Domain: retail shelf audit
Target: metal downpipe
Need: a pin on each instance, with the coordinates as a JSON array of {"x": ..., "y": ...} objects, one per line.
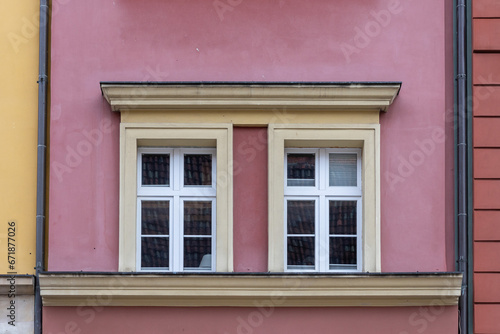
[
  {"x": 461, "y": 152},
  {"x": 41, "y": 159}
]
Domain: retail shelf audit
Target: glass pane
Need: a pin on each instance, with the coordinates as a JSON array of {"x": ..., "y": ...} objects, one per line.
[
  {"x": 342, "y": 253},
  {"x": 154, "y": 252},
  {"x": 197, "y": 218},
  {"x": 343, "y": 170},
  {"x": 155, "y": 217},
  {"x": 300, "y": 252},
  {"x": 197, "y": 169},
  {"x": 342, "y": 217},
  {"x": 300, "y": 170},
  {"x": 155, "y": 169},
  {"x": 197, "y": 252},
  {"x": 300, "y": 217}
]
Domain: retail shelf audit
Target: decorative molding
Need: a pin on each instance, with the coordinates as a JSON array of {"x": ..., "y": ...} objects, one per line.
[
  {"x": 131, "y": 136},
  {"x": 438, "y": 289},
  {"x": 365, "y": 136},
  {"x": 376, "y": 96},
  {"x": 24, "y": 285}
]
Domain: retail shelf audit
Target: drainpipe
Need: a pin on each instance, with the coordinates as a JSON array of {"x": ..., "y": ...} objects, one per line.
[
  {"x": 41, "y": 159},
  {"x": 461, "y": 162}
]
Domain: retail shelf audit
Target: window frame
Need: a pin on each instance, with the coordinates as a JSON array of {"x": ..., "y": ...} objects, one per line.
[
  {"x": 361, "y": 136},
  {"x": 322, "y": 193},
  {"x": 176, "y": 193},
  {"x": 159, "y": 135}
]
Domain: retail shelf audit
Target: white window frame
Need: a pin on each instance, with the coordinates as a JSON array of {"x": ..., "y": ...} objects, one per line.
[
  {"x": 366, "y": 138},
  {"x": 176, "y": 193},
  {"x": 322, "y": 193},
  {"x": 196, "y": 137}
]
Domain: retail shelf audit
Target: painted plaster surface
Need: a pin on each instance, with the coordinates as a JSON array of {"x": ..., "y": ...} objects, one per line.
[
  {"x": 250, "y": 204},
  {"x": 259, "y": 320},
  {"x": 285, "y": 40},
  {"x": 18, "y": 130}
]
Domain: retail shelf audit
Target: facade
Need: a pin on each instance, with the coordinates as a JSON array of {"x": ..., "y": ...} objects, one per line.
[
  {"x": 18, "y": 104},
  {"x": 260, "y": 167},
  {"x": 485, "y": 81}
]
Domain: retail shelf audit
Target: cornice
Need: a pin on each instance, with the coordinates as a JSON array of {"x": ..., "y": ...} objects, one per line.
[
  {"x": 19, "y": 285},
  {"x": 375, "y": 96},
  {"x": 251, "y": 290}
]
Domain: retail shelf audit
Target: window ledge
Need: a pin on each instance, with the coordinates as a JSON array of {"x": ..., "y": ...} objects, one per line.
[
  {"x": 376, "y": 96},
  {"x": 248, "y": 290}
]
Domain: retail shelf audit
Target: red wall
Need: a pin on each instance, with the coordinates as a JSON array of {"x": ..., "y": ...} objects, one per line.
[
  {"x": 264, "y": 320},
  {"x": 250, "y": 199},
  {"x": 486, "y": 141},
  {"x": 258, "y": 40},
  {"x": 285, "y": 40}
]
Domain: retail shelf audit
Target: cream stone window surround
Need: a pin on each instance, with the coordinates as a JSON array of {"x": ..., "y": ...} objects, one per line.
[
  {"x": 157, "y": 108},
  {"x": 135, "y": 135},
  {"x": 364, "y": 136}
]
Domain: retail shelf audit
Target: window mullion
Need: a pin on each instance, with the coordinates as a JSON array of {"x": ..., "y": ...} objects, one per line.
[
  {"x": 321, "y": 232},
  {"x": 359, "y": 234},
  {"x": 175, "y": 240},
  {"x": 320, "y": 170},
  {"x": 320, "y": 235},
  {"x": 177, "y": 210},
  {"x": 178, "y": 173}
]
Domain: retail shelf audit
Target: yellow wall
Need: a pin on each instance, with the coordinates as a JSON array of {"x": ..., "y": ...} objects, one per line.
[{"x": 19, "y": 22}]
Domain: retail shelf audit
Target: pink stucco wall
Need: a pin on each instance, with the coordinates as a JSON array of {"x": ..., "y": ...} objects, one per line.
[
  {"x": 264, "y": 320},
  {"x": 250, "y": 199},
  {"x": 282, "y": 40}
]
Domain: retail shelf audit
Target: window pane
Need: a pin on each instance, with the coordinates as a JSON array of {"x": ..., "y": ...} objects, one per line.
[
  {"x": 197, "y": 169},
  {"x": 155, "y": 217},
  {"x": 198, "y": 218},
  {"x": 300, "y": 217},
  {"x": 300, "y": 252},
  {"x": 300, "y": 170},
  {"x": 155, "y": 169},
  {"x": 343, "y": 170},
  {"x": 154, "y": 252},
  {"x": 342, "y": 253},
  {"x": 194, "y": 251},
  {"x": 342, "y": 217}
]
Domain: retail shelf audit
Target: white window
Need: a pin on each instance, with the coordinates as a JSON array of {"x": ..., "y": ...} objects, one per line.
[
  {"x": 176, "y": 204},
  {"x": 166, "y": 185},
  {"x": 323, "y": 219}
]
